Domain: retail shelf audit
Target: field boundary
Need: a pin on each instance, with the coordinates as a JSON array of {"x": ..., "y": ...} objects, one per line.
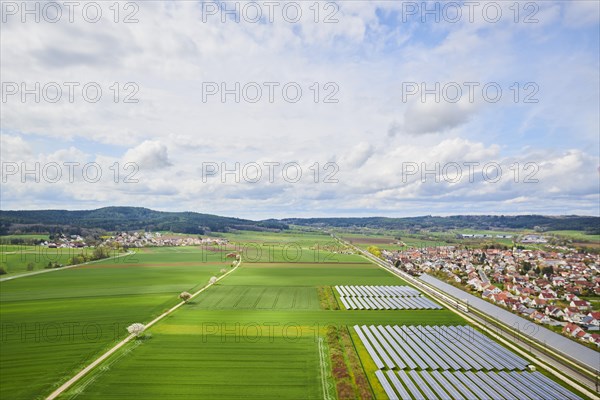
[
  {"x": 43, "y": 271},
  {"x": 123, "y": 342}
]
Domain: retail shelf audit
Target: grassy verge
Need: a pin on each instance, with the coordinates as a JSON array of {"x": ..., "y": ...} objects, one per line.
[
  {"x": 348, "y": 374},
  {"x": 327, "y": 300}
]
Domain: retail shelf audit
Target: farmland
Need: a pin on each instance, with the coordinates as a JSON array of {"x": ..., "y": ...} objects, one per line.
[
  {"x": 256, "y": 334},
  {"x": 53, "y": 324},
  {"x": 275, "y": 327}
]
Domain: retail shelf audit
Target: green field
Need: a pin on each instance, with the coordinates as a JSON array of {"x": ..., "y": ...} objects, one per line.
[
  {"x": 53, "y": 324},
  {"x": 255, "y": 334}
]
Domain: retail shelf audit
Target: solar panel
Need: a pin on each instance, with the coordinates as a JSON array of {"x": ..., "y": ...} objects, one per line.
[
  {"x": 389, "y": 305},
  {"x": 446, "y": 347},
  {"x": 493, "y": 350},
  {"x": 549, "y": 382},
  {"x": 482, "y": 385},
  {"x": 468, "y": 349},
  {"x": 345, "y": 303},
  {"x": 433, "y": 343},
  {"x": 524, "y": 390},
  {"x": 388, "y": 362},
  {"x": 453, "y": 344},
  {"x": 447, "y": 385},
  {"x": 400, "y": 337},
  {"x": 369, "y": 348},
  {"x": 411, "y": 386},
  {"x": 519, "y": 362},
  {"x": 458, "y": 385},
  {"x": 399, "y": 350},
  {"x": 386, "y": 386},
  {"x": 504, "y": 394},
  {"x": 436, "y": 387},
  {"x": 423, "y": 386},
  {"x": 398, "y": 385},
  {"x": 387, "y": 347},
  {"x": 471, "y": 385},
  {"x": 506, "y": 385},
  {"x": 428, "y": 348},
  {"x": 408, "y": 339},
  {"x": 351, "y": 303},
  {"x": 541, "y": 391}
]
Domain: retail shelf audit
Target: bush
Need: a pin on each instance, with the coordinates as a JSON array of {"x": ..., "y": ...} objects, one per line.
[
  {"x": 185, "y": 296},
  {"x": 136, "y": 329},
  {"x": 3, "y": 271}
]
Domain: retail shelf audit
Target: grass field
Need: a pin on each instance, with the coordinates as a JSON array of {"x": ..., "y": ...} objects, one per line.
[
  {"x": 577, "y": 236},
  {"x": 255, "y": 334},
  {"x": 15, "y": 259},
  {"x": 53, "y": 324}
]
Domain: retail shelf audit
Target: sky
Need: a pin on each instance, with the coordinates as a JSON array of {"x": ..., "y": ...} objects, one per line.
[{"x": 302, "y": 109}]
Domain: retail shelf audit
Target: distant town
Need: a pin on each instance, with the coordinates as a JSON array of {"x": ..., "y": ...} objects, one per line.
[{"x": 133, "y": 240}]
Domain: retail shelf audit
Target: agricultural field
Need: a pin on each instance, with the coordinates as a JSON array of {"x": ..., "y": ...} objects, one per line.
[
  {"x": 290, "y": 247},
  {"x": 18, "y": 259},
  {"x": 259, "y": 333},
  {"x": 272, "y": 328},
  {"x": 53, "y": 324}
]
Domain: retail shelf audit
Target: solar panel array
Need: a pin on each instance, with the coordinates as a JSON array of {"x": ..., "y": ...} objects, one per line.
[
  {"x": 439, "y": 362},
  {"x": 384, "y": 298},
  {"x": 426, "y": 385}
]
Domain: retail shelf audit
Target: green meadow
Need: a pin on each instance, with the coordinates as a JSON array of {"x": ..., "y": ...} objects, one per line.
[{"x": 53, "y": 324}]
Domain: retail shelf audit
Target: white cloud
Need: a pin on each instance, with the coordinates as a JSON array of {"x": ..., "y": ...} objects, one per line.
[{"x": 149, "y": 155}]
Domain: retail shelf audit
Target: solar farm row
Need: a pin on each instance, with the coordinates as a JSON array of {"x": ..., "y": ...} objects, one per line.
[
  {"x": 377, "y": 291},
  {"x": 410, "y": 301},
  {"x": 425, "y": 385},
  {"x": 435, "y": 348}
]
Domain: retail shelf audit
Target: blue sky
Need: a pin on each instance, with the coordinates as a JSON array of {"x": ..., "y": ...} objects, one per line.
[{"x": 361, "y": 144}]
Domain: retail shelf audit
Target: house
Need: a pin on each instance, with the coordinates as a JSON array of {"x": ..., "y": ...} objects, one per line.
[
  {"x": 554, "y": 312},
  {"x": 581, "y": 305},
  {"x": 594, "y": 338},
  {"x": 538, "y": 303},
  {"x": 527, "y": 311},
  {"x": 547, "y": 295},
  {"x": 590, "y": 322},
  {"x": 570, "y": 297},
  {"x": 540, "y": 317},
  {"x": 571, "y": 329},
  {"x": 572, "y": 314}
]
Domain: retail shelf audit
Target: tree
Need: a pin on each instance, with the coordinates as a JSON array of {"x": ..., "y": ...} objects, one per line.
[
  {"x": 374, "y": 250},
  {"x": 136, "y": 329},
  {"x": 2, "y": 271},
  {"x": 185, "y": 296}
]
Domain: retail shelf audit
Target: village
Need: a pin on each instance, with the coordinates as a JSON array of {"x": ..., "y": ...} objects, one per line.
[
  {"x": 134, "y": 240},
  {"x": 549, "y": 287}
]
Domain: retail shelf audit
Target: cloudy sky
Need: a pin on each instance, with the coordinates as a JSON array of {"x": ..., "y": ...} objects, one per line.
[{"x": 281, "y": 109}]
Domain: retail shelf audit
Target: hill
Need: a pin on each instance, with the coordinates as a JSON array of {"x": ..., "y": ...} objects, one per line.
[
  {"x": 125, "y": 219},
  {"x": 540, "y": 222}
]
